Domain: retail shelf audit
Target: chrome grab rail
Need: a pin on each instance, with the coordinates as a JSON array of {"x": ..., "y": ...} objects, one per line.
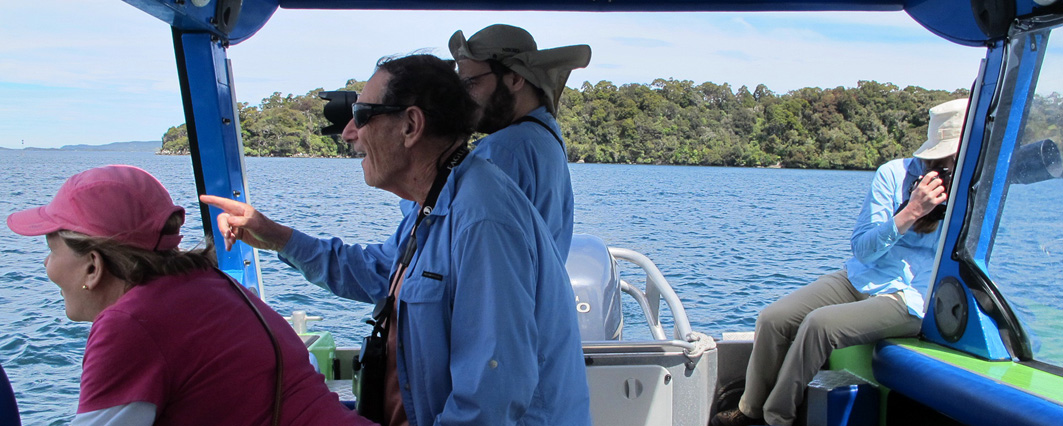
[
  {"x": 656, "y": 287},
  {"x": 656, "y": 329}
]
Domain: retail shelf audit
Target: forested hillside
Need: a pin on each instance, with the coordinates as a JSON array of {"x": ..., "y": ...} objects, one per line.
[{"x": 675, "y": 122}]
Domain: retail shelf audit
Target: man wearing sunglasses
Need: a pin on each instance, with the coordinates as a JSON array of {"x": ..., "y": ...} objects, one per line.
[
  {"x": 474, "y": 301},
  {"x": 517, "y": 89}
]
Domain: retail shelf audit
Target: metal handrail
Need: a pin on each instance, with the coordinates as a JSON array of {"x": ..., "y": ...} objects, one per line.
[
  {"x": 656, "y": 287},
  {"x": 656, "y": 330}
]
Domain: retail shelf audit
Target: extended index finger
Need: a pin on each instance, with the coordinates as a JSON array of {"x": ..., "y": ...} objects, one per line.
[{"x": 229, "y": 206}]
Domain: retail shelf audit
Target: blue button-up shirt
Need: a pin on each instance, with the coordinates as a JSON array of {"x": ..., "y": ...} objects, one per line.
[
  {"x": 487, "y": 327},
  {"x": 885, "y": 261},
  {"x": 538, "y": 163}
]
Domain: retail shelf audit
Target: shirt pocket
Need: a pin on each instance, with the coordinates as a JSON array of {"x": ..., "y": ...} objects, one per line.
[
  {"x": 424, "y": 306},
  {"x": 425, "y": 325},
  {"x": 422, "y": 289}
]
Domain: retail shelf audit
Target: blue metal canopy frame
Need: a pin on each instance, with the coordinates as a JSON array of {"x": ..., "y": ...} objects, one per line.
[
  {"x": 235, "y": 20},
  {"x": 203, "y": 29},
  {"x": 214, "y": 139}
]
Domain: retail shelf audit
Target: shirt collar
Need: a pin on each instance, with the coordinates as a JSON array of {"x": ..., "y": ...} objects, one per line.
[{"x": 446, "y": 196}]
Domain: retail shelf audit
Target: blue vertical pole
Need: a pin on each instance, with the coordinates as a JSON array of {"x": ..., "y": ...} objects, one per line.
[{"x": 214, "y": 140}]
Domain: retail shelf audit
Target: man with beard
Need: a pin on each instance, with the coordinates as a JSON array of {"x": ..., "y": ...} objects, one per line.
[{"x": 517, "y": 89}]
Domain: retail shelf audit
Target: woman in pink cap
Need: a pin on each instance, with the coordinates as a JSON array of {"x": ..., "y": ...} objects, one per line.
[{"x": 174, "y": 341}]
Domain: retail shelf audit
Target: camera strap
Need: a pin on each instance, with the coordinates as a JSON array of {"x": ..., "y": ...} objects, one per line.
[
  {"x": 372, "y": 364},
  {"x": 913, "y": 173},
  {"x": 530, "y": 119},
  {"x": 381, "y": 320}
]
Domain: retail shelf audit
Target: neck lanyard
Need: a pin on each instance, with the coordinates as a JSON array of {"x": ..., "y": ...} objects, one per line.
[{"x": 381, "y": 321}]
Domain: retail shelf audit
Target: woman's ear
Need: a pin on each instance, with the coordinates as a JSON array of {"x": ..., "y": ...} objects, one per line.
[{"x": 94, "y": 269}]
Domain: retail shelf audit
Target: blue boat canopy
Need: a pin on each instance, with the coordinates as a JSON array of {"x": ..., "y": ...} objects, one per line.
[
  {"x": 1000, "y": 100},
  {"x": 966, "y": 22}
]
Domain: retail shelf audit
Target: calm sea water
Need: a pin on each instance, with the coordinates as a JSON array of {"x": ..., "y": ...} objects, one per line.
[{"x": 729, "y": 240}]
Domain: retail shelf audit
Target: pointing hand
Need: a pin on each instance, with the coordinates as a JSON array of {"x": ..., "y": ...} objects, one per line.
[{"x": 240, "y": 221}]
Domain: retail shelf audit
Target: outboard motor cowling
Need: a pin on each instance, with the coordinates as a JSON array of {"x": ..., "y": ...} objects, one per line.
[{"x": 596, "y": 284}]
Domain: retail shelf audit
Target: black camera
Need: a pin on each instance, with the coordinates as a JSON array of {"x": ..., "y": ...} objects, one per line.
[
  {"x": 945, "y": 174},
  {"x": 338, "y": 110}
]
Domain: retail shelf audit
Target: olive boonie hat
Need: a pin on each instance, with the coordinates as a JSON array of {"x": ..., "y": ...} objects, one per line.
[
  {"x": 943, "y": 134},
  {"x": 123, "y": 203},
  {"x": 547, "y": 69}
]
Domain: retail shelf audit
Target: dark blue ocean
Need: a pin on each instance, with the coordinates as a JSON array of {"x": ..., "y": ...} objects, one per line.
[{"x": 730, "y": 240}]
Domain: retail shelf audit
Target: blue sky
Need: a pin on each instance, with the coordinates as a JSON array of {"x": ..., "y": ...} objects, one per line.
[{"x": 101, "y": 71}]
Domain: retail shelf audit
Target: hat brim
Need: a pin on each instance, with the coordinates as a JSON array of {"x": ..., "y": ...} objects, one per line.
[
  {"x": 549, "y": 69},
  {"x": 459, "y": 48},
  {"x": 32, "y": 222},
  {"x": 564, "y": 57},
  {"x": 933, "y": 150}
]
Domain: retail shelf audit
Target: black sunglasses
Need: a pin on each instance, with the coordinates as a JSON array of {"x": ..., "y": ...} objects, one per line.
[{"x": 362, "y": 112}]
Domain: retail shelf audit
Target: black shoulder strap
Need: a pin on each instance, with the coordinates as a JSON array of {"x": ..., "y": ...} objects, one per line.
[
  {"x": 443, "y": 171},
  {"x": 278, "y": 389},
  {"x": 911, "y": 178},
  {"x": 528, "y": 118}
]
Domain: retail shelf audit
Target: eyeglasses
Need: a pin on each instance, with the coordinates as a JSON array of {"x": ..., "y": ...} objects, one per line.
[
  {"x": 469, "y": 81},
  {"x": 363, "y": 112}
]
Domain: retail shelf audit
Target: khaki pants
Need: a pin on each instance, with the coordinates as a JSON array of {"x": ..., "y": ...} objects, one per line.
[{"x": 796, "y": 334}]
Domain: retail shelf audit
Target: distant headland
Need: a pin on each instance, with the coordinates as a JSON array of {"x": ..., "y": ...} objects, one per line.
[{"x": 132, "y": 146}]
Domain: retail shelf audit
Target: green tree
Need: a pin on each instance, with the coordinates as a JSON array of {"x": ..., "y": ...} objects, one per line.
[
  {"x": 677, "y": 122},
  {"x": 175, "y": 141}
]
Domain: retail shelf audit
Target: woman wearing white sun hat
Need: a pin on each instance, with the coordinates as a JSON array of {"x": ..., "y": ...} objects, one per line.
[{"x": 879, "y": 293}]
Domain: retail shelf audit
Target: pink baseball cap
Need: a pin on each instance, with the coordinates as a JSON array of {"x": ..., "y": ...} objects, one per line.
[{"x": 120, "y": 202}]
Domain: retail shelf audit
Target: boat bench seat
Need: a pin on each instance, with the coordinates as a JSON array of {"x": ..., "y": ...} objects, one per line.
[{"x": 972, "y": 391}]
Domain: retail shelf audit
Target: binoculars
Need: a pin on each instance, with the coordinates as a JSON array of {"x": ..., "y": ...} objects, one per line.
[{"x": 338, "y": 110}]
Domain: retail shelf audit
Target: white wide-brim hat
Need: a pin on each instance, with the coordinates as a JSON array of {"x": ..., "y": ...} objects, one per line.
[
  {"x": 943, "y": 134},
  {"x": 547, "y": 69}
]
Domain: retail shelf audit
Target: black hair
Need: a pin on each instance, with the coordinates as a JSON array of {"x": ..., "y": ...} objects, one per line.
[{"x": 430, "y": 83}]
